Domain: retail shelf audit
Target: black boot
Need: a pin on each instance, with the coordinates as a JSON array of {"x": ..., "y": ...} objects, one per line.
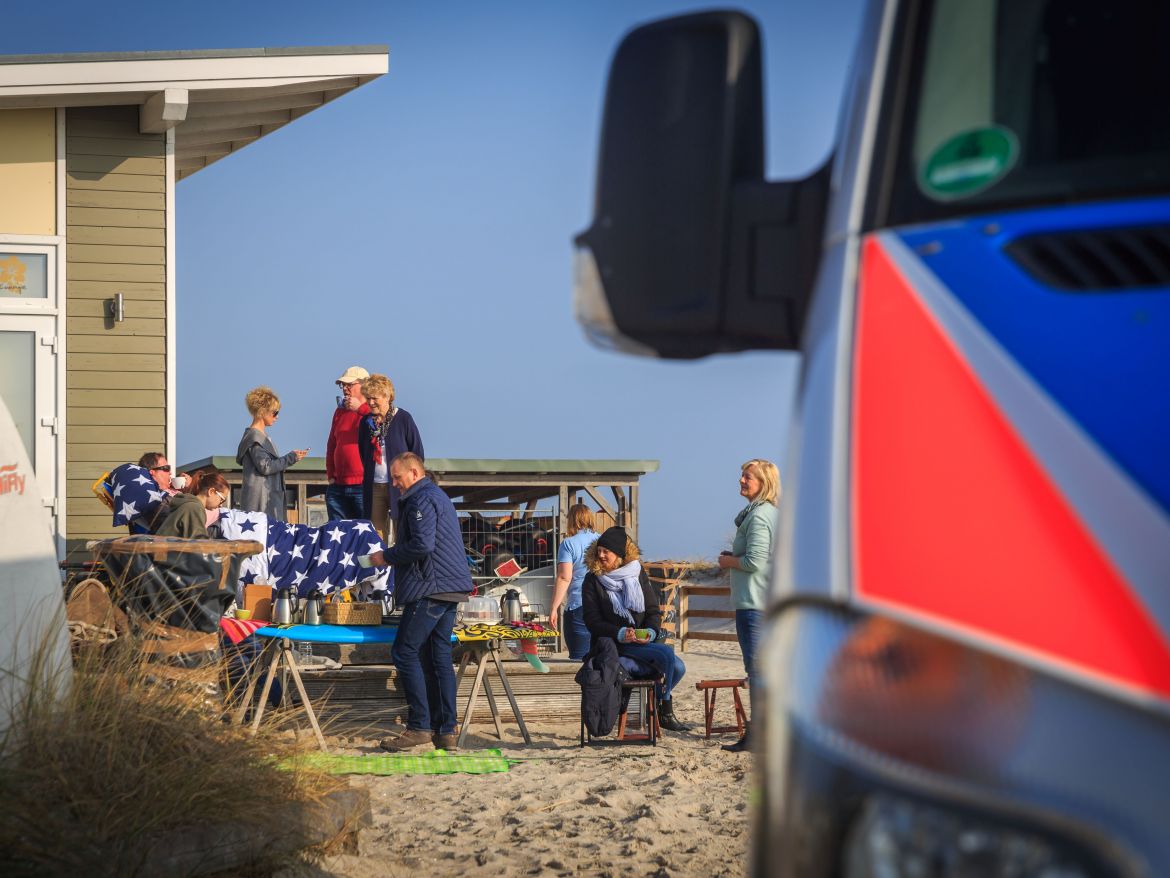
[
  {"x": 743, "y": 745},
  {"x": 667, "y": 719}
]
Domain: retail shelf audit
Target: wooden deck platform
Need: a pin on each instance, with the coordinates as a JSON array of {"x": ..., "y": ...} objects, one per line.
[{"x": 369, "y": 696}]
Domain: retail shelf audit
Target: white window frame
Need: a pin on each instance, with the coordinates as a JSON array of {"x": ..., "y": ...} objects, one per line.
[{"x": 49, "y": 246}]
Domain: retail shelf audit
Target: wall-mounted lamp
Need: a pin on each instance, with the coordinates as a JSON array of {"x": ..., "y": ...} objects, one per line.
[{"x": 116, "y": 308}]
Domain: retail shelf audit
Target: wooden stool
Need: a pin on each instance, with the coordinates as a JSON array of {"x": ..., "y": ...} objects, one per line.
[
  {"x": 710, "y": 688},
  {"x": 648, "y": 710}
]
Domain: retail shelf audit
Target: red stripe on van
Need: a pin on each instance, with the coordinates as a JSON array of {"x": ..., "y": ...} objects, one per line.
[{"x": 954, "y": 520}]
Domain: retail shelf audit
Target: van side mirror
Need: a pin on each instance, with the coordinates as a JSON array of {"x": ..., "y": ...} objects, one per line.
[{"x": 691, "y": 252}]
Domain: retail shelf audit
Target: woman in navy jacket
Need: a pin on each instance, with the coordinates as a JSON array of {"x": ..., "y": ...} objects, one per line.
[{"x": 383, "y": 434}]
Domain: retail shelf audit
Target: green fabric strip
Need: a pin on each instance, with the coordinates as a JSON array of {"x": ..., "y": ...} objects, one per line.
[{"x": 430, "y": 762}]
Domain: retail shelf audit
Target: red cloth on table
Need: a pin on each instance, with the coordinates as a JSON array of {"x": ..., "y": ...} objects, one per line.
[{"x": 237, "y": 629}]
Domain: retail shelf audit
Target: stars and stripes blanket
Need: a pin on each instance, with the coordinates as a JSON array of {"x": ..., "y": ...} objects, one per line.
[
  {"x": 134, "y": 493},
  {"x": 306, "y": 558}
]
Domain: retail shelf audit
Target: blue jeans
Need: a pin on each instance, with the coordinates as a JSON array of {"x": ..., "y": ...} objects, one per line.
[
  {"x": 748, "y": 625},
  {"x": 662, "y": 658},
  {"x": 343, "y": 501},
  {"x": 576, "y": 634},
  {"x": 422, "y": 655}
]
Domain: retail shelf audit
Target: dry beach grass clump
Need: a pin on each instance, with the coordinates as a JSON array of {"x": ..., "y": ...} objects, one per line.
[{"x": 96, "y": 773}]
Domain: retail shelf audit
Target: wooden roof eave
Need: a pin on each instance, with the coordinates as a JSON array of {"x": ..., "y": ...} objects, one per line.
[{"x": 216, "y": 101}]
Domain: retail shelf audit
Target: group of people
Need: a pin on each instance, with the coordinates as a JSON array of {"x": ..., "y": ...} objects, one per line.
[
  {"x": 605, "y": 592},
  {"x": 191, "y": 503},
  {"x": 367, "y": 432},
  {"x": 376, "y": 471}
]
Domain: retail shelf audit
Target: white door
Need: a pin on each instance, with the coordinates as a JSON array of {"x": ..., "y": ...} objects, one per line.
[{"x": 28, "y": 386}]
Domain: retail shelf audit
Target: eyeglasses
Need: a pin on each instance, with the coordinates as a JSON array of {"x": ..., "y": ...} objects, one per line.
[
  {"x": 276, "y": 413},
  {"x": 220, "y": 495},
  {"x": 165, "y": 469}
]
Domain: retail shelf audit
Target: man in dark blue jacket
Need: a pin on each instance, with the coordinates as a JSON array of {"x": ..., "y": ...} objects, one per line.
[{"x": 430, "y": 578}]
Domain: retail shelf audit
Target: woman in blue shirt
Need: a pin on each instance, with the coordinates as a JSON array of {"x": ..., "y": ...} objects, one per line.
[{"x": 570, "y": 574}]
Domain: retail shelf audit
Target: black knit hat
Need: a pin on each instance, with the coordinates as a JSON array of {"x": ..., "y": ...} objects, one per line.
[{"x": 613, "y": 539}]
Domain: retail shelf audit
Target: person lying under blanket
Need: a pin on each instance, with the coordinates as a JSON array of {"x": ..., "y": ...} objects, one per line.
[{"x": 138, "y": 499}]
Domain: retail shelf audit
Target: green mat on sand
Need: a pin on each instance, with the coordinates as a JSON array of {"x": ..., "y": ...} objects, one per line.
[{"x": 430, "y": 762}]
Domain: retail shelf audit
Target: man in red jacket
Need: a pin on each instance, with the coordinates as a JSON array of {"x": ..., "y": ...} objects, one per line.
[{"x": 343, "y": 464}]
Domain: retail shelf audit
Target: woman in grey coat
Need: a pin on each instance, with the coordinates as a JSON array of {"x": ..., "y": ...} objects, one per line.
[{"x": 263, "y": 489}]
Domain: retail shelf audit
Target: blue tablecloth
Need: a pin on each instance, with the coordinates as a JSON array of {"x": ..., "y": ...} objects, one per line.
[{"x": 334, "y": 633}]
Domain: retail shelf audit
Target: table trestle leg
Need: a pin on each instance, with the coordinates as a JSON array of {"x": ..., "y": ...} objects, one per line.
[
  {"x": 480, "y": 667},
  {"x": 294, "y": 671},
  {"x": 495, "y": 652},
  {"x": 269, "y": 675}
]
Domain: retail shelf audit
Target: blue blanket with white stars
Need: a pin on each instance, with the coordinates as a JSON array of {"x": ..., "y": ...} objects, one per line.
[{"x": 306, "y": 558}]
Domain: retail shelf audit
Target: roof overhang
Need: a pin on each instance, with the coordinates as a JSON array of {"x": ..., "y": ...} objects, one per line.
[{"x": 216, "y": 101}]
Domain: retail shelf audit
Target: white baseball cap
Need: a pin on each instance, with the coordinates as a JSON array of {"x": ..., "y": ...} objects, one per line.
[{"x": 352, "y": 374}]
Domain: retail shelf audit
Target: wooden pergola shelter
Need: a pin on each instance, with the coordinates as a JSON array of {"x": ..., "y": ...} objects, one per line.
[{"x": 485, "y": 484}]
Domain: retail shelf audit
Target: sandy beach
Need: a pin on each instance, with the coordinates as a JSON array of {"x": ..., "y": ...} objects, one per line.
[{"x": 678, "y": 809}]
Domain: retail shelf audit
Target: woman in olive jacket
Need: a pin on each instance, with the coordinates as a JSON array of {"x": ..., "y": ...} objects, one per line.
[
  {"x": 188, "y": 511},
  {"x": 618, "y": 602}
]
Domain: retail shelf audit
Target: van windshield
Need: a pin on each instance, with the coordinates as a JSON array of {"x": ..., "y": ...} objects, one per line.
[{"x": 1011, "y": 102}]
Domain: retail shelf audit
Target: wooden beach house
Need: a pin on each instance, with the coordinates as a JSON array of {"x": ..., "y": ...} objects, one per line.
[{"x": 91, "y": 148}]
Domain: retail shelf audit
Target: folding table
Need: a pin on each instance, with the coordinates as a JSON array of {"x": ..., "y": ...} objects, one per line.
[
  {"x": 482, "y": 642},
  {"x": 280, "y": 640}
]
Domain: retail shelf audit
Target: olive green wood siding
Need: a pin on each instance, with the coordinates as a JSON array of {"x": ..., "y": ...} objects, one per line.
[{"x": 115, "y": 212}]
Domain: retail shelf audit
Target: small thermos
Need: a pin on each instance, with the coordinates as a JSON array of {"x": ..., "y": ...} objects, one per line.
[
  {"x": 510, "y": 608},
  {"x": 282, "y": 608},
  {"x": 314, "y": 606}
]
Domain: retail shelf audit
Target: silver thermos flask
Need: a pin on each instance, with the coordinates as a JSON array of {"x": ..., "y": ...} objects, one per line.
[
  {"x": 510, "y": 607},
  {"x": 282, "y": 609},
  {"x": 314, "y": 603}
]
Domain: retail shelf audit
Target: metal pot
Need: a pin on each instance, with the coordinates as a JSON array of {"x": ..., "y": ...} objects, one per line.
[
  {"x": 314, "y": 607},
  {"x": 511, "y": 609},
  {"x": 284, "y": 606}
]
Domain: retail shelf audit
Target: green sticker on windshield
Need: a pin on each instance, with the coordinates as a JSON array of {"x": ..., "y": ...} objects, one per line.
[{"x": 968, "y": 163}]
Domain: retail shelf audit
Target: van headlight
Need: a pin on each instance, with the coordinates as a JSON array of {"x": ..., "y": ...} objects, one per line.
[{"x": 898, "y": 838}]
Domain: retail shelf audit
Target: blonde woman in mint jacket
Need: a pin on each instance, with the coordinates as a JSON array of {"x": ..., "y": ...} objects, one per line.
[{"x": 750, "y": 563}]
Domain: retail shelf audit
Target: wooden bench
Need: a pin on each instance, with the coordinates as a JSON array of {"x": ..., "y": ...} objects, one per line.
[
  {"x": 364, "y": 697},
  {"x": 710, "y": 688}
]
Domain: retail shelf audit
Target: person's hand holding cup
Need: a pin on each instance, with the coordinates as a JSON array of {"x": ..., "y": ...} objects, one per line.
[{"x": 374, "y": 559}]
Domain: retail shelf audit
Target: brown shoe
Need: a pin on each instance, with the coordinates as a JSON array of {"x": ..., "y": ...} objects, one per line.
[
  {"x": 445, "y": 742},
  {"x": 408, "y": 740}
]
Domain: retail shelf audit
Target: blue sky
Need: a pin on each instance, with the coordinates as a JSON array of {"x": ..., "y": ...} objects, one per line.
[{"x": 421, "y": 227}]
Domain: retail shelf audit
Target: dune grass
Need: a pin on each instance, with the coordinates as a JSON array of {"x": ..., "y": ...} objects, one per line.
[{"x": 90, "y": 771}]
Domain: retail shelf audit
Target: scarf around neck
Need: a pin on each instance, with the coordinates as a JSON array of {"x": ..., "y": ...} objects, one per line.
[
  {"x": 378, "y": 432},
  {"x": 747, "y": 511},
  {"x": 625, "y": 589}
]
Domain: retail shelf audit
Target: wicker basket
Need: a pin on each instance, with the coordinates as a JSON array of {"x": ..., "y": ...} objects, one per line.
[{"x": 337, "y": 613}]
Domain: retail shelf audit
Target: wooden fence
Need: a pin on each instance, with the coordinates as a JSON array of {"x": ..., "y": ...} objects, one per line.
[
  {"x": 685, "y": 614},
  {"x": 674, "y": 595}
]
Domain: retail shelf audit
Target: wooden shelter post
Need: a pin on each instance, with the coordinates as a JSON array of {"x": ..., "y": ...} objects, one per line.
[{"x": 634, "y": 512}]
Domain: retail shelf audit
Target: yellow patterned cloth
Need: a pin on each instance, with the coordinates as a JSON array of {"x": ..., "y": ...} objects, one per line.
[{"x": 470, "y": 633}]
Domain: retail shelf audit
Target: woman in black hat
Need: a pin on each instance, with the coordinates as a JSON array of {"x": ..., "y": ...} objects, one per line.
[{"x": 619, "y": 602}]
